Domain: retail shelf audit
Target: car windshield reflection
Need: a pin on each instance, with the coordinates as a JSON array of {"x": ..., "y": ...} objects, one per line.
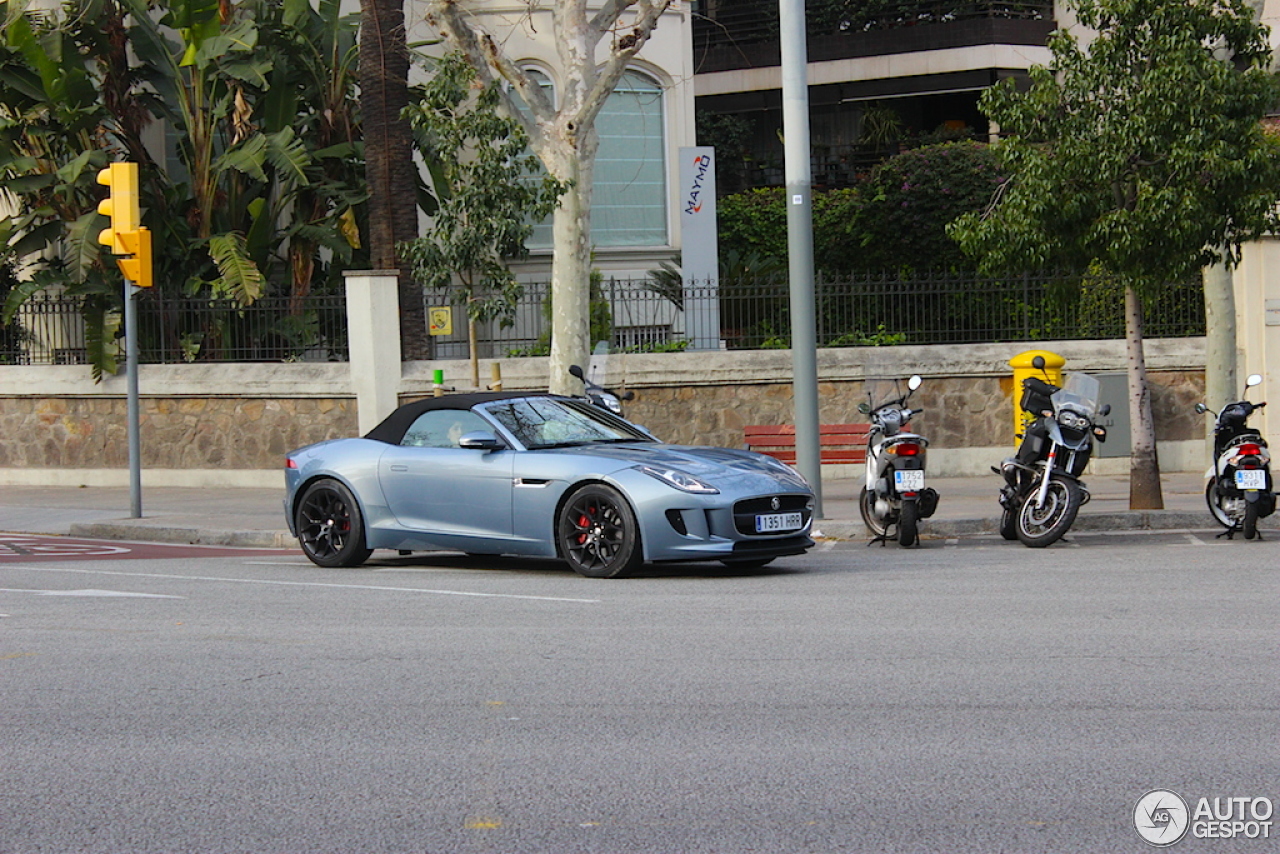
[{"x": 547, "y": 422}]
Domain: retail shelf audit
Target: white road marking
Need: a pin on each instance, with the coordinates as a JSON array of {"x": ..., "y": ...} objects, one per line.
[
  {"x": 91, "y": 593},
  {"x": 320, "y": 584}
]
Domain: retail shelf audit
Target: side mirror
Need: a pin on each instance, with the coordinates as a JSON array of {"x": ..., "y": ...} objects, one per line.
[
  {"x": 1253, "y": 380},
  {"x": 576, "y": 371},
  {"x": 864, "y": 408},
  {"x": 480, "y": 441},
  {"x": 1037, "y": 362},
  {"x": 914, "y": 382},
  {"x": 1201, "y": 409},
  {"x": 1105, "y": 410},
  {"x": 628, "y": 395}
]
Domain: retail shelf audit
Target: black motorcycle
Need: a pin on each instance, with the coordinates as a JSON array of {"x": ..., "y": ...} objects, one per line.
[
  {"x": 1043, "y": 491},
  {"x": 1239, "y": 490}
]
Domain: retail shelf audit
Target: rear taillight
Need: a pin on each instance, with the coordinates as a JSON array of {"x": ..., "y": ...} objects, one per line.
[
  {"x": 905, "y": 449},
  {"x": 290, "y": 463},
  {"x": 1249, "y": 450}
]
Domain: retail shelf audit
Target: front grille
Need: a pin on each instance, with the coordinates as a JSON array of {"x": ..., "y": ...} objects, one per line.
[{"x": 746, "y": 511}]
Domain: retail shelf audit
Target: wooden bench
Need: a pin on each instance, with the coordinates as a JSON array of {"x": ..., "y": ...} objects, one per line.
[{"x": 838, "y": 443}]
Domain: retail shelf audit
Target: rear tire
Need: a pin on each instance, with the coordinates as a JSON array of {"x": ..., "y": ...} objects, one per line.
[
  {"x": 908, "y": 533},
  {"x": 1008, "y": 522},
  {"x": 866, "y": 506},
  {"x": 1042, "y": 526},
  {"x": 1250, "y": 519},
  {"x": 329, "y": 525}
]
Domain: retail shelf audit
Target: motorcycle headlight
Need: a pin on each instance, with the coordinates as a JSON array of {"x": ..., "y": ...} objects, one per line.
[
  {"x": 682, "y": 481},
  {"x": 1073, "y": 420}
]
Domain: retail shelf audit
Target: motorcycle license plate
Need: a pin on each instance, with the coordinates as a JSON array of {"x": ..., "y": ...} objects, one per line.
[
  {"x": 1251, "y": 479},
  {"x": 911, "y": 480},
  {"x": 778, "y": 522}
]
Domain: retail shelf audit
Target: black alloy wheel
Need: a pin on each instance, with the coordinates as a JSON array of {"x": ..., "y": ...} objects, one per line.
[
  {"x": 597, "y": 533},
  {"x": 330, "y": 528}
]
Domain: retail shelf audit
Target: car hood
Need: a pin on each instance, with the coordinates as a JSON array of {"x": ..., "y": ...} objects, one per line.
[{"x": 722, "y": 467}]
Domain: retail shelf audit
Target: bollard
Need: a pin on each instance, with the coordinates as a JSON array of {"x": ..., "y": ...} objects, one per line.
[{"x": 437, "y": 386}]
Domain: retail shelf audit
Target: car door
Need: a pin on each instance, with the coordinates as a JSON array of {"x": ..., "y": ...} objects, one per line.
[{"x": 461, "y": 496}]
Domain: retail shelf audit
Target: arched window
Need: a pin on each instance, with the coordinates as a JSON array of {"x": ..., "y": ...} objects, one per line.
[{"x": 628, "y": 205}]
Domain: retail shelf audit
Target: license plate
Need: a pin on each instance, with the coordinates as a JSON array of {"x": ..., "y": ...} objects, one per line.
[
  {"x": 778, "y": 522},
  {"x": 911, "y": 480},
  {"x": 1251, "y": 479}
]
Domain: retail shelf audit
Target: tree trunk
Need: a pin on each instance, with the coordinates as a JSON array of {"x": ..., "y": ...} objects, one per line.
[
  {"x": 389, "y": 166},
  {"x": 1144, "y": 464},
  {"x": 571, "y": 273},
  {"x": 1220, "y": 385}
]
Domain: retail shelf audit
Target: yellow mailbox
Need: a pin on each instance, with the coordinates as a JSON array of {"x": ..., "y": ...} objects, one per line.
[{"x": 1023, "y": 367}]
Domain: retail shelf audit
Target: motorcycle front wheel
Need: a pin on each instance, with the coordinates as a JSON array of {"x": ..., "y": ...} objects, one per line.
[
  {"x": 1042, "y": 526},
  {"x": 866, "y": 505},
  {"x": 1217, "y": 504}
]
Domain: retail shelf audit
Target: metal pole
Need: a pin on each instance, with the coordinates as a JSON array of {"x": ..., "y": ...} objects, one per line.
[
  {"x": 799, "y": 178},
  {"x": 131, "y": 378}
]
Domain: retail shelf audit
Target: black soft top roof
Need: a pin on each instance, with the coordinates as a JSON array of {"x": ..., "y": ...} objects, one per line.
[{"x": 393, "y": 427}]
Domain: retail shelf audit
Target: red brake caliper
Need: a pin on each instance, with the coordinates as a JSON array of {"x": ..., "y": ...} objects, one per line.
[{"x": 583, "y": 523}]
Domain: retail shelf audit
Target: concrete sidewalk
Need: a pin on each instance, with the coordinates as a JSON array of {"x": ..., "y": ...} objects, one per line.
[{"x": 255, "y": 517}]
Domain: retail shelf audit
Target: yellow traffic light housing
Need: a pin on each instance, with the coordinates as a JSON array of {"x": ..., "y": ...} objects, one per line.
[
  {"x": 137, "y": 268},
  {"x": 121, "y": 203}
]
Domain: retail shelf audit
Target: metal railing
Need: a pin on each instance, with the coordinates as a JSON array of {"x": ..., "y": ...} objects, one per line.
[
  {"x": 50, "y": 330},
  {"x": 720, "y": 23},
  {"x": 866, "y": 310}
]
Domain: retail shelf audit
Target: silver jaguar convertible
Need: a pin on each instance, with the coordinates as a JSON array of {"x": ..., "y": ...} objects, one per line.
[{"x": 545, "y": 476}]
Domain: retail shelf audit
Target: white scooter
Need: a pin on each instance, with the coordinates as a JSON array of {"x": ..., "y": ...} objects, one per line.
[{"x": 895, "y": 494}]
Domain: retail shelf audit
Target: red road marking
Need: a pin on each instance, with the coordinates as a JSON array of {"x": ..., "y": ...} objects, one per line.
[{"x": 17, "y": 548}]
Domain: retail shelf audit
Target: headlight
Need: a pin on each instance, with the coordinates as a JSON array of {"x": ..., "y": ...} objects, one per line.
[
  {"x": 1073, "y": 420},
  {"x": 682, "y": 481}
]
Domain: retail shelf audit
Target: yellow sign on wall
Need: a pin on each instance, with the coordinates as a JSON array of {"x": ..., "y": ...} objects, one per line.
[{"x": 440, "y": 320}]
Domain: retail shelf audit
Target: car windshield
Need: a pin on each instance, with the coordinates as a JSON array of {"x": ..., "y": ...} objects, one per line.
[
  {"x": 548, "y": 422},
  {"x": 1079, "y": 393}
]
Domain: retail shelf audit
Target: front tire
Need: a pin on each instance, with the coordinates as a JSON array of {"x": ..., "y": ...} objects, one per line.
[
  {"x": 598, "y": 534},
  {"x": 1214, "y": 498},
  {"x": 866, "y": 506},
  {"x": 1042, "y": 526},
  {"x": 329, "y": 525},
  {"x": 908, "y": 533}
]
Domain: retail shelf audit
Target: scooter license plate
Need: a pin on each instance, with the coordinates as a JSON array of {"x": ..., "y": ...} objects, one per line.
[
  {"x": 1251, "y": 479},
  {"x": 911, "y": 480},
  {"x": 772, "y": 522}
]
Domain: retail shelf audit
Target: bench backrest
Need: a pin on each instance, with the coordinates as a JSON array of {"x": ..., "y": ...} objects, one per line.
[{"x": 839, "y": 443}]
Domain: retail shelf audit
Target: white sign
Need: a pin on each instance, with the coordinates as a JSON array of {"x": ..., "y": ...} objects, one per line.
[{"x": 700, "y": 264}]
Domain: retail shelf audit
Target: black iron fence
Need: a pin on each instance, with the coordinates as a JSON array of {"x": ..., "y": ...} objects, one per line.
[
  {"x": 52, "y": 330},
  {"x": 638, "y": 315},
  {"x": 869, "y": 310}
]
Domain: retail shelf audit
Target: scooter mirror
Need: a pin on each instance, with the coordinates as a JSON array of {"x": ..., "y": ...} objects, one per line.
[
  {"x": 914, "y": 382},
  {"x": 1253, "y": 380},
  {"x": 1201, "y": 409},
  {"x": 864, "y": 408},
  {"x": 1105, "y": 410},
  {"x": 1037, "y": 362},
  {"x": 576, "y": 371}
]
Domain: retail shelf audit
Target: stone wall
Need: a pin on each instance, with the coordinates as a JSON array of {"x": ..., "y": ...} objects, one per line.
[{"x": 233, "y": 424}]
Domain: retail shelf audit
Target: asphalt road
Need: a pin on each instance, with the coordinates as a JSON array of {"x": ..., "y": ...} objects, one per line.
[{"x": 971, "y": 696}]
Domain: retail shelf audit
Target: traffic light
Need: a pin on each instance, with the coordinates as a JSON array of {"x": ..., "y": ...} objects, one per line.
[
  {"x": 121, "y": 204},
  {"x": 137, "y": 268}
]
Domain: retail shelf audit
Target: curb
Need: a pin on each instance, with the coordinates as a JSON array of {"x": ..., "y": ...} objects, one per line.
[
  {"x": 183, "y": 536},
  {"x": 1134, "y": 520}
]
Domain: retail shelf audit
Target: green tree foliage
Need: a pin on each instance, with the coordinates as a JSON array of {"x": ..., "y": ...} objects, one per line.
[
  {"x": 258, "y": 102},
  {"x": 1143, "y": 152},
  {"x": 909, "y": 199},
  {"x": 489, "y": 189},
  {"x": 755, "y": 223}
]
